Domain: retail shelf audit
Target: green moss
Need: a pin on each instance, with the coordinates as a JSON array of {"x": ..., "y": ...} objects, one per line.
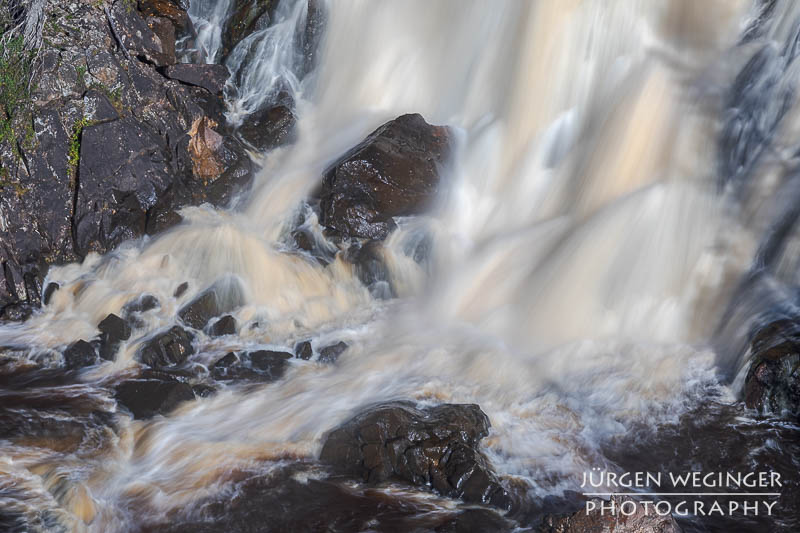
[
  {"x": 75, "y": 143},
  {"x": 15, "y": 77}
]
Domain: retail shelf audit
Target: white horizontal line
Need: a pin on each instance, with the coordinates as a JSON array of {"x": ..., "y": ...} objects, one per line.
[{"x": 681, "y": 493}]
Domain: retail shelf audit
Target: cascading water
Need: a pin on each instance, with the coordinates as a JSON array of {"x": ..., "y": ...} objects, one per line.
[{"x": 582, "y": 254}]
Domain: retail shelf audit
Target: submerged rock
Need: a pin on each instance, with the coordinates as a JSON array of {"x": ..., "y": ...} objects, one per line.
[
  {"x": 772, "y": 384},
  {"x": 145, "y": 398},
  {"x": 113, "y": 330},
  {"x": 268, "y": 128},
  {"x": 393, "y": 172},
  {"x": 303, "y": 350},
  {"x": 223, "y": 297},
  {"x": 260, "y": 365},
  {"x": 435, "y": 447},
  {"x": 331, "y": 353},
  {"x": 224, "y": 326},
  {"x": 167, "y": 349},
  {"x": 639, "y": 520},
  {"x": 248, "y": 17},
  {"x": 80, "y": 354}
]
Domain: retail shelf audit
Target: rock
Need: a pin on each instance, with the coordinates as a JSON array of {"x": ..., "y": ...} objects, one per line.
[
  {"x": 113, "y": 330},
  {"x": 393, "y": 172},
  {"x": 49, "y": 291},
  {"x": 223, "y": 297},
  {"x": 435, "y": 447},
  {"x": 261, "y": 365},
  {"x": 122, "y": 172},
  {"x": 331, "y": 353},
  {"x": 248, "y": 17},
  {"x": 268, "y": 128},
  {"x": 164, "y": 29},
  {"x": 139, "y": 39},
  {"x": 477, "y": 521},
  {"x": 210, "y": 77},
  {"x": 145, "y": 398},
  {"x": 639, "y": 521},
  {"x": 173, "y": 10},
  {"x": 142, "y": 304},
  {"x": 772, "y": 384},
  {"x": 182, "y": 288},
  {"x": 79, "y": 354},
  {"x": 167, "y": 349},
  {"x": 303, "y": 350},
  {"x": 224, "y": 326},
  {"x": 370, "y": 266}
]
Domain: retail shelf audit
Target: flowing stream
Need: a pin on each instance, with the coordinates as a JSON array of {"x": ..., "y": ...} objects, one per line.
[{"x": 585, "y": 254}]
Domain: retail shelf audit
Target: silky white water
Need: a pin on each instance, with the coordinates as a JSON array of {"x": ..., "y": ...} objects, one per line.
[{"x": 581, "y": 255}]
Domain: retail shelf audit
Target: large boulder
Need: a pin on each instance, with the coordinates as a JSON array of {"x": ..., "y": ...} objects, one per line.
[
  {"x": 270, "y": 127},
  {"x": 633, "y": 518},
  {"x": 393, "y": 172},
  {"x": 772, "y": 384},
  {"x": 436, "y": 447},
  {"x": 210, "y": 77},
  {"x": 248, "y": 17}
]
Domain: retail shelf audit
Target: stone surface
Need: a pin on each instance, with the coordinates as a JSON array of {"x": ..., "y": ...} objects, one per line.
[
  {"x": 639, "y": 521},
  {"x": 113, "y": 331},
  {"x": 303, "y": 350},
  {"x": 434, "y": 447},
  {"x": 145, "y": 398},
  {"x": 772, "y": 384},
  {"x": 224, "y": 326},
  {"x": 167, "y": 349},
  {"x": 210, "y": 77},
  {"x": 260, "y": 365},
  {"x": 223, "y": 297},
  {"x": 393, "y": 172},
  {"x": 80, "y": 354},
  {"x": 330, "y": 354},
  {"x": 268, "y": 128}
]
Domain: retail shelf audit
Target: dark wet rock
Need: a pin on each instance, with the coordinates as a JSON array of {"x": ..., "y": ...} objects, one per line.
[
  {"x": 80, "y": 354},
  {"x": 370, "y": 265},
  {"x": 393, "y": 172},
  {"x": 49, "y": 291},
  {"x": 142, "y": 304},
  {"x": 173, "y": 10},
  {"x": 268, "y": 128},
  {"x": 772, "y": 384},
  {"x": 113, "y": 331},
  {"x": 223, "y": 297},
  {"x": 303, "y": 350},
  {"x": 138, "y": 38},
  {"x": 17, "y": 312},
  {"x": 167, "y": 349},
  {"x": 260, "y": 365},
  {"x": 315, "y": 22},
  {"x": 330, "y": 354},
  {"x": 210, "y": 77},
  {"x": 224, "y": 326},
  {"x": 639, "y": 520},
  {"x": 123, "y": 171},
  {"x": 100, "y": 150},
  {"x": 295, "y": 499},
  {"x": 434, "y": 447},
  {"x": 181, "y": 289},
  {"x": 248, "y": 17},
  {"x": 145, "y": 398}
]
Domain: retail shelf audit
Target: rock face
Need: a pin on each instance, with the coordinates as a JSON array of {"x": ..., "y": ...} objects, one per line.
[
  {"x": 639, "y": 521},
  {"x": 434, "y": 447},
  {"x": 773, "y": 380},
  {"x": 269, "y": 128},
  {"x": 145, "y": 398},
  {"x": 113, "y": 331},
  {"x": 393, "y": 172},
  {"x": 167, "y": 349},
  {"x": 79, "y": 354},
  {"x": 99, "y": 149}
]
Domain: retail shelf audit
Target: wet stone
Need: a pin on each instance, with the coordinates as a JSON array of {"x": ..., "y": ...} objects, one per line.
[
  {"x": 80, "y": 354},
  {"x": 145, "y": 398},
  {"x": 182, "y": 288},
  {"x": 302, "y": 350},
  {"x": 113, "y": 330},
  {"x": 331, "y": 353},
  {"x": 49, "y": 291},
  {"x": 224, "y": 326},
  {"x": 167, "y": 349},
  {"x": 260, "y": 365}
]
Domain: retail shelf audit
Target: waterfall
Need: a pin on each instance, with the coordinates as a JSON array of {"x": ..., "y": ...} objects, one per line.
[{"x": 582, "y": 256}]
